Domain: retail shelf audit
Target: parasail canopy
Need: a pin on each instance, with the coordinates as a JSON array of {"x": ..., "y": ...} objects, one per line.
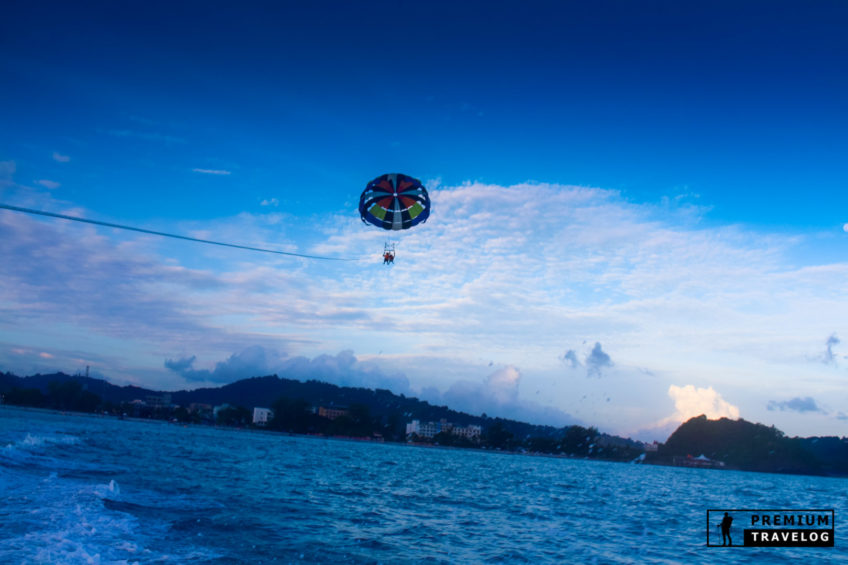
[{"x": 394, "y": 202}]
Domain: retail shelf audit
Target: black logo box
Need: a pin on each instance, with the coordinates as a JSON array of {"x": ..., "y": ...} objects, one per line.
[{"x": 763, "y": 533}]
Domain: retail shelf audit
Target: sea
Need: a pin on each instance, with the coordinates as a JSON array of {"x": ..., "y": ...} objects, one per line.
[{"x": 95, "y": 489}]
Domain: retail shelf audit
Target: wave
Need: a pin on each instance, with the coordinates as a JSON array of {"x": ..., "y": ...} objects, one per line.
[
  {"x": 62, "y": 521},
  {"x": 32, "y": 442},
  {"x": 36, "y": 450}
]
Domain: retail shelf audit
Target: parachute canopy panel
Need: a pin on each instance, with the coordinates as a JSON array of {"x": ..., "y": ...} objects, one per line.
[{"x": 394, "y": 202}]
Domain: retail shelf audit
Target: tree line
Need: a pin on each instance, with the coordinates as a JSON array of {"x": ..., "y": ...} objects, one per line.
[{"x": 296, "y": 415}]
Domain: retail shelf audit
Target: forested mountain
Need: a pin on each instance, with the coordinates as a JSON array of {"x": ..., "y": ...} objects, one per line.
[
  {"x": 756, "y": 447},
  {"x": 391, "y": 412}
]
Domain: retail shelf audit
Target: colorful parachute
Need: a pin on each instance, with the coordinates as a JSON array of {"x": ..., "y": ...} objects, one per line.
[{"x": 394, "y": 202}]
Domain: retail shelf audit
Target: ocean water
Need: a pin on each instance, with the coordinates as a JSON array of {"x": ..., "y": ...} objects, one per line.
[{"x": 88, "y": 489}]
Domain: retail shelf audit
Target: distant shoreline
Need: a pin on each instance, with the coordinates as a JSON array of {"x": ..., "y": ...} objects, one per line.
[{"x": 732, "y": 445}]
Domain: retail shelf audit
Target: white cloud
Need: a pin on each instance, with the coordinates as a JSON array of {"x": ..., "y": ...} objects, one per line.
[
  {"x": 92, "y": 282},
  {"x": 212, "y": 171},
  {"x": 270, "y": 202},
  {"x": 690, "y": 401},
  {"x": 498, "y": 395},
  {"x": 479, "y": 397},
  {"x": 60, "y": 158},
  {"x": 502, "y": 385},
  {"x": 48, "y": 184}
]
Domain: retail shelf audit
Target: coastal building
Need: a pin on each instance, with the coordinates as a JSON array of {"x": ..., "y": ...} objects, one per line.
[
  {"x": 261, "y": 416},
  {"x": 331, "y": 413},
  {"x": 701, "y": 462},
  {"x": 423, "y": 429},
  {"x": 431, "y": 429},
  {"x": 471, "y": 432}
]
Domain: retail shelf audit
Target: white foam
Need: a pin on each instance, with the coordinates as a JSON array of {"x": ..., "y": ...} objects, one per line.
[
  {"x": 111, "y": 490},
  {"x": 67, "y": 522},
  {"x": 37, "y": 440},
  {"x": 35, "y": 448}
]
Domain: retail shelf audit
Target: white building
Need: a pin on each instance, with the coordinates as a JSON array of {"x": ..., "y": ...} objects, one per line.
[
  {"x": 431, "y": 429},
  {"x": 261, "y": 416},
  {"x": 331, "y": 413},
  {"x": 470, "y": 432},
  {"x": 425, "y": 429}
]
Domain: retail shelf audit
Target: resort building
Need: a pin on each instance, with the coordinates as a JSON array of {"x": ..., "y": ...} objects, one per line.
[
  {"x": 425, "y": 429},
  {"x": 331, "y": 413},
  {"x": 652, "y": 447},
  {"x": 261, "y": 416},
  {"x": 471, "y": 432},
  {"x": 431, "y": 429}
]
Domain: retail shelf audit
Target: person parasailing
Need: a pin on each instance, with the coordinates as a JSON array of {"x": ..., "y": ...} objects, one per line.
[
  {"x": 389, "y": 254},
  {"x": 394, "y": 202}
]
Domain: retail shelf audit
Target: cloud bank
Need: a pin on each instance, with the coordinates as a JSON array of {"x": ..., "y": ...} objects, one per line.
[
  {"x": 343, "y": 369},
  {"x": 498, "y": 395}
]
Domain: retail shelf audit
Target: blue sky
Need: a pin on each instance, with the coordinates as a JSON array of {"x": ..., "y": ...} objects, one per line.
[{"x": 638, "y": 207}]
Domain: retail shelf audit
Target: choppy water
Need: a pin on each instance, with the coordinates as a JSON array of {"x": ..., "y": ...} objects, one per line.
[{"x": 85, "y": 489}]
